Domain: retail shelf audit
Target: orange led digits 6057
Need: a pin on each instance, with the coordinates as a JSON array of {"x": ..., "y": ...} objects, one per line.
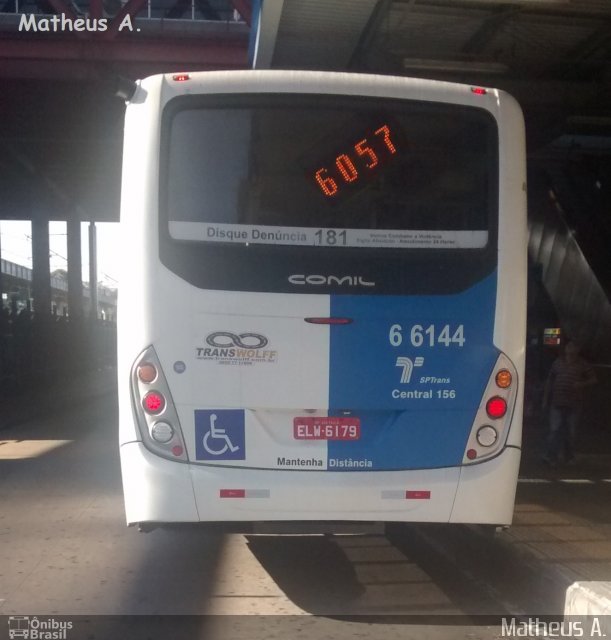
[{"x": 357, "y": 162}]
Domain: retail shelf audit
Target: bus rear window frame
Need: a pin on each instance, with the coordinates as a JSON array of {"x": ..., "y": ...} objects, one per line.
[{"x": 182, "y": 253}]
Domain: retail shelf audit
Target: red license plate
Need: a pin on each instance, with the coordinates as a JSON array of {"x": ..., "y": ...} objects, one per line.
[{"x": 323, "y": 428}]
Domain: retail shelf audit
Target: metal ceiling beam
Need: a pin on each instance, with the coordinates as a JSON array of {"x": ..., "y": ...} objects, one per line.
[
  {"x": 363, "y": 46},
  {"x": 267, "y": 33},
  {"x": 600, "y": 38},
  {"x": 55, "y": 190},
  {"x": 567, "y": 9},
  {"x": 218, "y": 54},
  {"x": 92, "y": 71},
  {"x": 489, "y": 28}
]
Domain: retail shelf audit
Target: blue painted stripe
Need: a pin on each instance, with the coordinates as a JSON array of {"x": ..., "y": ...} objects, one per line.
[{"x": 425, "y": 422}]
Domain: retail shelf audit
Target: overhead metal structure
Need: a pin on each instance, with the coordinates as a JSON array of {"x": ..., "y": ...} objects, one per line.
[
  {"x": 311, "y": 34},
  {"x": 61, "y": 149},
  {"x": 553, "y": 55},
  {"x": 91, "y": 39},
  {"x": 60, "y": 152}
]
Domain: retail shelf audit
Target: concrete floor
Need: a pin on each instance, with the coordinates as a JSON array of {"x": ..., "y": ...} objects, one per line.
[{"x": 65, "y": 552}]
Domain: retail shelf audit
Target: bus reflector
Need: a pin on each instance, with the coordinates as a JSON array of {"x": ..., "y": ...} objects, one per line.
[
  {"x": 233, "y": 493},
  {"x": 471, "y": 454},
  {"x": 496, "y": 407},
  {"x": 153, "y": 402},
  {"x": 244, "y": 493},
  {"x": 417, "y": 495},
  {"x": 503, "y": 379},
  {"x": 177, "y": 450}
]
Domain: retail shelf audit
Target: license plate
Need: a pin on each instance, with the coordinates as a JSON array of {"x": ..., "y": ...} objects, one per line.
[{"x": 323, "y": 428}]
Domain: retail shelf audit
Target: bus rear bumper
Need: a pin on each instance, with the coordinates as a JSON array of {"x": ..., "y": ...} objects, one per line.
[
  {"x": 155, "y": 490},
  {"x": 162, "y": 491},
  {"x": 486, "y": 491}
]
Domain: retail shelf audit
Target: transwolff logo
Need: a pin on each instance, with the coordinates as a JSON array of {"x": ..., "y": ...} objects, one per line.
[
  {"x": 229, "y": 348},
  {"x": 350, "y": 281}
]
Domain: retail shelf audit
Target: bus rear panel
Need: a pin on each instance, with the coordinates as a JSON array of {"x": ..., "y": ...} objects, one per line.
[{"x": 322, "y": 309}]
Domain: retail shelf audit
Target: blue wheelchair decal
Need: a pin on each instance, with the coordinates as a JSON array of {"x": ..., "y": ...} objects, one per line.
[{"x": 219, "y": 434}]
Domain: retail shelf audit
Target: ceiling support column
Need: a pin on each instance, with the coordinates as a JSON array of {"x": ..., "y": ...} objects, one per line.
[
  {"x": 93, "y": 271},
  {"x": 75, "y": 267},
  {"x": 41, "y": 274}
]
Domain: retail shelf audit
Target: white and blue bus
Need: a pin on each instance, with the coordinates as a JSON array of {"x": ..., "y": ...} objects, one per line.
[{"x": 322, "y": 305}]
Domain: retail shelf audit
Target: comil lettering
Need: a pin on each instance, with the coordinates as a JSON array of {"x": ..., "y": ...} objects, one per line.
[{"x": 350, "y": 281}]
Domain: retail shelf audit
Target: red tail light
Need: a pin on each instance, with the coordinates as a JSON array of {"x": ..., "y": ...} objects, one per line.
[
  {"x": 496, "y": 407},
  {"x": 153, "y": 402}
]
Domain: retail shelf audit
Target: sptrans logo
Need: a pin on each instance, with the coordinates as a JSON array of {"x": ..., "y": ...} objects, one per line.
[
  {"x": 33, "y": 628},
  {"x": 407, "y": 367}
]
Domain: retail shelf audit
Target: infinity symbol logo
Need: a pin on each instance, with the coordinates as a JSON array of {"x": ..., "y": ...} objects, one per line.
[{"x": 233, "y": 340}]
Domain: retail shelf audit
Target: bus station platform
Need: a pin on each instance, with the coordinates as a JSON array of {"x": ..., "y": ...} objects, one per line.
[{"x": 561, "y": 531}]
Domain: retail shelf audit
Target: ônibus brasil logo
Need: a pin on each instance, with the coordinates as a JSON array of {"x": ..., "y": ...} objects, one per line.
[{"x": 35, "y": 628}]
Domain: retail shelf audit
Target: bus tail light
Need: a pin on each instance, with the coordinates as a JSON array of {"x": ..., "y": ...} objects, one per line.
[
  {"x": 155, "y": 411},
  {"x": 153, "y": 402},
  {"x": 147, "y": 372},
  {"x": 503, "y": 379},
  {"x": 493, "y": 418},
  {"x": 496, "y": 407}
]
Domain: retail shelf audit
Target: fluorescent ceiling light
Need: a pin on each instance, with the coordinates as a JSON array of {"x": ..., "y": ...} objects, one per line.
[{"x": 453, "y": 66}]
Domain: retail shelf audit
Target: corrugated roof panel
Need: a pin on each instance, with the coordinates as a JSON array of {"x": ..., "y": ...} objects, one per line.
[
  {"x": 425, "y": 33},
  {"x": 324, "y": 34},
  {"x": 522, "y": 39},
  {"x": 320, "y": 34},
  {"x": 535, "y": 41}
]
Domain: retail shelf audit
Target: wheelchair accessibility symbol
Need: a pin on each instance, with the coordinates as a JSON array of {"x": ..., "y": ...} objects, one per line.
[
  {"x": 220, "y": 434},
  {"x": 218, "y": 438}
]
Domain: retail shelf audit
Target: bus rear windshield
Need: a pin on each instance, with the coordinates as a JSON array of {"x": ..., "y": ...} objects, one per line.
[{"x": 335, "y": 171}]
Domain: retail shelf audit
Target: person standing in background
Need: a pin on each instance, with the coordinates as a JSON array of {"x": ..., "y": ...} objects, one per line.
[{"x": 568, "y": 376}]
